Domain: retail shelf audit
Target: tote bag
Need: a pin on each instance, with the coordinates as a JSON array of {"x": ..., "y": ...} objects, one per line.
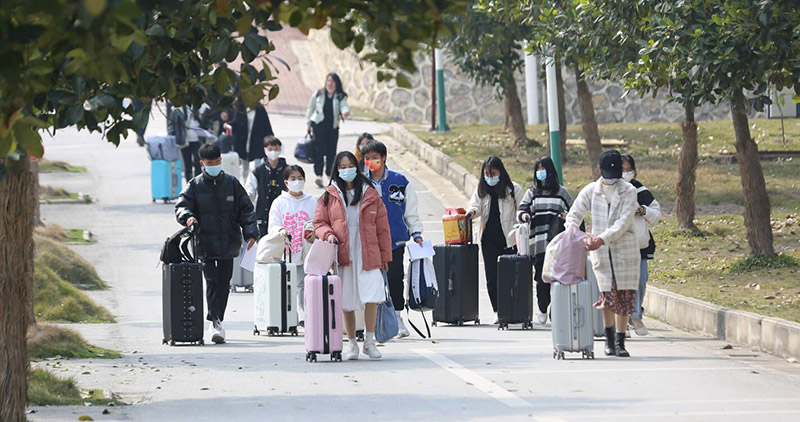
[{"x": 386, "y": 326}]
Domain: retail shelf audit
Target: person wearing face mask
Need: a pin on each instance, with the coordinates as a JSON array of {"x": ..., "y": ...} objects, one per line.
[
  {"x": 543, "y": 202},
  {"x": 265, "y": 183},
  {"x": 613, "y": 246},
  {"x": 362, "y": 139},
  {"x": 289, "y": 214},
  {"x": 352, "y": 214},
  {"x": 327, "y": 107},
  {"x": 401, "y": 204},
  {"x": 218, "y": 204},
  {"x": 646, "y": 216},
  {"x": 495, "y": 201}
]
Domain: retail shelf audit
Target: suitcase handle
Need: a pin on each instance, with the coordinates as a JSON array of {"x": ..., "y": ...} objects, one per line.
[
  {"x": 288, "y": 297},
  {"x": 333, "y": 314}
]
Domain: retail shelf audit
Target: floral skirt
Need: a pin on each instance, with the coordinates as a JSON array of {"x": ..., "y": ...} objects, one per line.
[{"x": 621, "y": 302}]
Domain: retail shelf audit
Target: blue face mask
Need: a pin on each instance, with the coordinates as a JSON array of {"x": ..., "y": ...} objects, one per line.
[
  {"x": 348, "y": 174},
  {"x": 610, "y": 181},
  {"x": 492, "y": 181},
  {"x": 541, "y": 175},
  {"x": 213, "y": 171}
]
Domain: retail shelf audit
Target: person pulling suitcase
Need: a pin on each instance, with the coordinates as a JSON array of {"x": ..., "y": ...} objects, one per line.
[{"x": 217, "y": 204}]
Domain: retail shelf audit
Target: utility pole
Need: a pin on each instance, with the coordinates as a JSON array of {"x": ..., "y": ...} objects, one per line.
[
  {"x": 441, "y": 106},
  {"x": 433, "y": 88},
  {"x": 532, "y": 88},
  {"x": 552, "y": 114}
]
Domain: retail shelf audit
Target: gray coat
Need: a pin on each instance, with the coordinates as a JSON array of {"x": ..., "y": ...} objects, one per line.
[{"x": 614, "y": 224}]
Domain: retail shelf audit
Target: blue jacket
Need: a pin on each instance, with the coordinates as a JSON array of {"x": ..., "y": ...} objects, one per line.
[{"x": 401, "y": 205}]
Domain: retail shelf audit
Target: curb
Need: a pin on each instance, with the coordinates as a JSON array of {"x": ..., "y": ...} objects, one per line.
[{"x": 771, "y": 335}]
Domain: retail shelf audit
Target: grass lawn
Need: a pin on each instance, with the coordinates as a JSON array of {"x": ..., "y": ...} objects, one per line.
[
  {"x": 67, "y": 264},
  {"x": 53, "y": 342},
  {"x": 49, "y": 193},
  {"x": 47, "y": 166},
  {"x": 46, "y": 389},
  {"x": 700, "y": 267}
]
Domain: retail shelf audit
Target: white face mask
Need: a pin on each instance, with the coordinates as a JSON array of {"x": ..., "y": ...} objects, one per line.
[
  {"x": 627, "y": 176},
  {"x": 296, "y": 186},
  {"x": 273, "y": 155}
]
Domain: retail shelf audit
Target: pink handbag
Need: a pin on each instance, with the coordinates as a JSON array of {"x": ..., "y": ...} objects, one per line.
[
  {"x": 320, "y": 258},
  {"x": 565, "y": 257}
]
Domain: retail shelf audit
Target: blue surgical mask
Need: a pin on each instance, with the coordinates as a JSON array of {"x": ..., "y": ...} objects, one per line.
[
  {"x": 492, "y": 181},
  {"x": 610, "y": 181},
  {"x": 213, "y": 171},
  {"x": 348, "y": 174},
  {"x": 541, "y": 175}
]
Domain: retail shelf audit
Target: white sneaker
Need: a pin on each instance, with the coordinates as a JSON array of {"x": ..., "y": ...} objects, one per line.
[
  {"x": 541, "y": 317},
  {"x": 402, "y": 331},
  {"x": 352, "y": 352},
  {"x": 217, "y": 332},
  {"x": 638, "y": 327},
  {"x": 371, "y": 349}
]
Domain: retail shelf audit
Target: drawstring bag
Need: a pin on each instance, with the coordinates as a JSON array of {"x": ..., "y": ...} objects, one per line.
[
  {"x": 565, "y": 257},
  {"x": 320, "y": 258},
  {"x": 386, "y": 326}
]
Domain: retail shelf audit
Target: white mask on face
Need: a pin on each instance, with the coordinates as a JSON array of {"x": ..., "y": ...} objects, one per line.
[
  {"x": 273, "y": 155},
  {"x": 296, "y": 186},
  {"x": 627, "y": 176}
]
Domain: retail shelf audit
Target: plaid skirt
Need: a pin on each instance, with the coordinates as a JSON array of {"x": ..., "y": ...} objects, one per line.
[{"x": 621, "y": 302}]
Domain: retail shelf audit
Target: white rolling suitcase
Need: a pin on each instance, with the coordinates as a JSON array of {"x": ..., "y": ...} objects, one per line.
[
  {"x": 571, "y": 314},
  {"x": 231, "y": 164},
  {"x": 275, "y": 297},
  {"x": 598, "y": 326}
]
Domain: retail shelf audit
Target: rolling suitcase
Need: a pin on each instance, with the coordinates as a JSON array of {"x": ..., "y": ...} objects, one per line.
[
  {"x": 165, "y": 180},
  {"x": 242, "y": 278},
  {"x": 231, "y": 164},
  {"x": 571, "y": 315},
  {"x": 275, "y": 298},
  {"x": 514, "y": 291},
  {"x": 182, "y": 301},
  {"x": 456, "y": 269},
  {"x": 323, "y": 326},
  {"x": 598, "y": 326}
]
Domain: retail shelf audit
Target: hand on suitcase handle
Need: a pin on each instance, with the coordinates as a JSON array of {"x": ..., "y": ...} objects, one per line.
[{"x": 191, "y": 223}]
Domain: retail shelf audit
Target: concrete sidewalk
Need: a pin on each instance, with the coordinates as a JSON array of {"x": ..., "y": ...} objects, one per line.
[{"x": 465, "y": 373}]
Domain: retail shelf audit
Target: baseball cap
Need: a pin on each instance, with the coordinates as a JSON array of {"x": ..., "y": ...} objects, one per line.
[{"x": 611, "y": 164}]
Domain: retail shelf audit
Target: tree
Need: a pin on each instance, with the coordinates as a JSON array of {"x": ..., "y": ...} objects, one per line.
[
  {"x": 488, "y": 50},
  {"x": 71, "y": 63}
]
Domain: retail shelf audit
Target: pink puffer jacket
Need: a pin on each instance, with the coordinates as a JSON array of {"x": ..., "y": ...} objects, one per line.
[{"x": 373, "y": 226}]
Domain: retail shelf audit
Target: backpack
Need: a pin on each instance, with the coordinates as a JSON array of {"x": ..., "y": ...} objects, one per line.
[
  {"x": 176, "y": 126},
  {"x": 176, "y": 248},
  {"x": 422, "y": 290}
]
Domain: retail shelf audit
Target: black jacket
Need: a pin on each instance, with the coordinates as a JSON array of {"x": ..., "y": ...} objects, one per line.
[
  {"x": 270, "y": 187},
  {"x": 644, "y": 197},
  {"x": 223, "y": 211},
  {"x": 260, "y": 130}
]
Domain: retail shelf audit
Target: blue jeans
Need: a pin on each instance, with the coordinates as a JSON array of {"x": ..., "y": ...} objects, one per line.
[{"x": 641, "y": 291}]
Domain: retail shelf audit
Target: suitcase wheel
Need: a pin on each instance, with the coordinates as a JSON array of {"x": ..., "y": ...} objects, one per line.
[
  {"x": 202, "y": 342},
  {"x": 433, "y": 324},
  {"x": 294, "y": 331},
  {"x": 163, "y": 341},
  {"x": 172, "y": 342},
  {"x": 477, "y": 322},
  {"x": 558, "y": 355},
  {"x": 256, "y": 332},
  {"x": 311, "y": 357},
  {"x": 461, "y": 323},
  {"x": 336, "y": 357}
]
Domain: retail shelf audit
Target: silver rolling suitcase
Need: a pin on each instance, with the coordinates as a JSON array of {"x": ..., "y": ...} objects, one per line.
[
  {"x": 241, "y": 278},
  {"x": 597, "y": 315},
  {"x": 571, "y": 314}
]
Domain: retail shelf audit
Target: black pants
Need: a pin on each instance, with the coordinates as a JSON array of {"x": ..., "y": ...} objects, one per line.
[
  {"x": 191, "y": 160},
  {"x": 396, "y": 276},
  {"x": 218, "y": 273},
  {"x": 491, "y": 250},
  {"x": 542, "y": 288},
  {"x": 325, "y": 144}
]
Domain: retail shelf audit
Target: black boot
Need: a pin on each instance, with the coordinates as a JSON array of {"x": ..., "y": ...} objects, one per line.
[
  {"x": 610, "y": 348},
  {"x": 619, "y": 344}
]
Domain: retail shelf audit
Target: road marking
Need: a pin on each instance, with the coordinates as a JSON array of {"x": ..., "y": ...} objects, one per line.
[
  {"x": 491, "y": 389},
  {"x": 576, "y": 371},
  {"x": 690, "y": 414}
]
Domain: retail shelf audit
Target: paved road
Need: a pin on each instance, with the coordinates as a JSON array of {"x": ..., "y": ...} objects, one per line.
[{"x": 465, "y": 373}]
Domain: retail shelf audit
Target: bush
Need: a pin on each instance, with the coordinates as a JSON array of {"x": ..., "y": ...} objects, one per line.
[
  {"x": 68, "y": 264},
  {"x": 46, "y": 389},
  {"x": 59, "y": 301},
  {"x": 749, "y": 263},
  {"x": 49, "y": 341}
]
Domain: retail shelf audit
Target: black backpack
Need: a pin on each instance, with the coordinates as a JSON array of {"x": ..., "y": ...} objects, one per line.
[{"x": 176, "y": 248}]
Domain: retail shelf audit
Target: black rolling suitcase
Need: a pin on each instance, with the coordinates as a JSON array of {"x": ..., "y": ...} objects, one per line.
[
  {"x": 456, "y": 269},
  {"x": 182, "y": 290},
  {"x": 514, "y": 291}
]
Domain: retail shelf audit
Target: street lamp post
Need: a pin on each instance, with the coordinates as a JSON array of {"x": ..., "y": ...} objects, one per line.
[{"x": 552, "y": 117}]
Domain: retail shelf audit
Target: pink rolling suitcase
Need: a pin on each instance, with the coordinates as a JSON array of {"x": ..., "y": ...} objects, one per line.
[{"x": 323, "y": 324}]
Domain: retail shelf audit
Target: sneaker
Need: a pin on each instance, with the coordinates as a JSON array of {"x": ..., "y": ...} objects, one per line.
[
  {"x": 638, "y": 327},
  {"x": 217, "y": 332},
  {"x": 371, "y": 350},
  {"x": 402, "y": 331},
  {"x": 542, "y": 318},
  {"x": 352, "y": 352},
  {"x": 496, "y": 320},
  {"x": 319, "y": 182}
]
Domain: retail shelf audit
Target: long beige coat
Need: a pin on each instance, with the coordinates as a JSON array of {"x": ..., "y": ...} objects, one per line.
[{"x": 614, "y": 224}]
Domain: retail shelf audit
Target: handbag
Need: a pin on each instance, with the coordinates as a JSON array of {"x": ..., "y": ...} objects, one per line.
[
  {"x": 642, "y": 232},
  {"x": 320, "y": 258},
  {"x": 386, "y": 326},
  {"x": 271, "y": 248},
  {"x": 565, "y": 258},
  {"x": 556, "y": 227},
  {"x": 304, "y": 151}
]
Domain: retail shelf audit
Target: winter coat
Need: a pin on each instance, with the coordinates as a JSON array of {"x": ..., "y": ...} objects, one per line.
[
  {"x": 291, "y": 213},
  {"x": 265, "y": 185},
  {"x": 401, "y": 205},
  {"x": 314, "y": 112},
  {"x": 652, "y": 213},
  {"x": 244, "y": 133},
  {"x": 543, "y": 207},
  {"x": 373, "y": 226},
  {"x": 614, "y": 224},
  {"x": 508, "y": 209},
  {"x": 223, "y": 211}
]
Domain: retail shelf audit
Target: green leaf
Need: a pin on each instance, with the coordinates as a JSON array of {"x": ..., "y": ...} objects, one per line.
[
  {"x": 94, "y": 7},
  {"x": 156, "y": 31},
  {"x": 122, "y": 43},
  {"x": 60, "y": 96},
  {"x": 219, "y": 49},
  {"x": 273, "y": 92},
  {"x": 244, "y": 24},
  {"x": 28, "y": 139},
  {"x": 402, "y": 80}
]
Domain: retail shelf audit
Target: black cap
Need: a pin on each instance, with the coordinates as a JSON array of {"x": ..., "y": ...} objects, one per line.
[{"x": 611, "y": 164}]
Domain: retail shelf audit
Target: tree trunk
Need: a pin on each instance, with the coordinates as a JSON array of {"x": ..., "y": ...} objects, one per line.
[
  {"x": 562, "y": 112},
  {"x": 687, "y": 171},
  {"x": 513, "y": 109},
  {"x": 754, "y": 188},
  {"x": 37, "y": 221},
  {"x": 16, "y": 268},
  {"x": 588, "y": 123}
]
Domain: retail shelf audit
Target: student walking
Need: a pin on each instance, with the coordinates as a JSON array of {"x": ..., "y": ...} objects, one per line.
[
  {"x": 495, "y": 201},
  {"x": 613, "y": 246},
  {"x": 325, "y": 110},
  {"x": 266, "y": 183},
  {"x": 646, "y": 216},
  {"x": 250, "y": 128},
  {"x": 362, "y": 139},
  {"x": 543, "y": 203},
  {"x": 352, "y": 213},
  {"x": 401, "y": 205},
  {"x": 289, "y": 214},
  {"x": 218, "y": 204}
]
